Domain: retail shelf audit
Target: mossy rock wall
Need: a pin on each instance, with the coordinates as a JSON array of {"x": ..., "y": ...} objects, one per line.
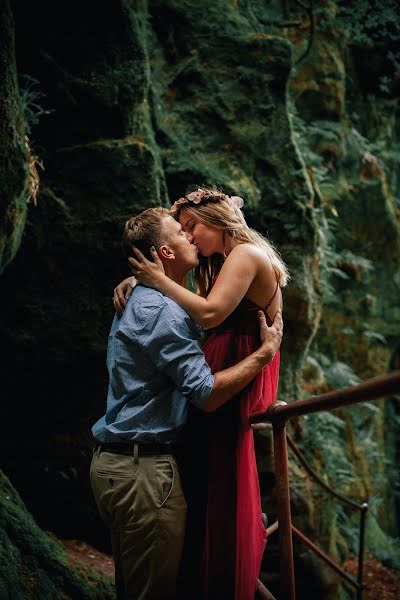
[
  {"x": 34, "y": 564},
  {"x": 347, "y": 129},
  {"x": 137, "y": 101},
  {"x": 13, "y": 149}
]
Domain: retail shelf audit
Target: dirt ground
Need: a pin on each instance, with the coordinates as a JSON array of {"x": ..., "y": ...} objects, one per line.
[
  {"x": 81, "y": 553},
  {"x": 381, "y": 582}
]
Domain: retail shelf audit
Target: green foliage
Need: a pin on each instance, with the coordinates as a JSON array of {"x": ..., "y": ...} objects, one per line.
[
  {"x": 333, "y": 153},
  {"x": 367, "y": 22},
  {"x": 310, "y": 137},
  {"x": 371, "y": 24},
  {"x": 31, "y": 101},
  {"x": 347, "y": 447}
]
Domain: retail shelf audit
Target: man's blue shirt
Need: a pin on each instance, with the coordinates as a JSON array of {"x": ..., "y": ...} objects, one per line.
[{"x": 155, "y": 364}]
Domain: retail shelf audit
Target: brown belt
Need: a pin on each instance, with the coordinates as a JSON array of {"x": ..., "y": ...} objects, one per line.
[{"x": 128, "y": 448}]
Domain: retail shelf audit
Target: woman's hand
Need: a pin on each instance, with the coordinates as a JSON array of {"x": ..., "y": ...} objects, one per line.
[
  {"x": 122, "y": 293},
  {"x": 145, "y": 271}
]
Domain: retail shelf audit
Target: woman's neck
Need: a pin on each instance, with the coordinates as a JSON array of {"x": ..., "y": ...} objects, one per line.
[{"x": 229, "y": 244}]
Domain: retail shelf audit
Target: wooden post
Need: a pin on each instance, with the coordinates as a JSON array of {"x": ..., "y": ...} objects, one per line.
[{"x": 287, "y": 583}]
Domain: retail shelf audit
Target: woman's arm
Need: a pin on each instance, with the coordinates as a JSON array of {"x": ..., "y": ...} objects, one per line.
[
  {"x": 234, "y": 279},
  {"x": 122, "y": 293}
]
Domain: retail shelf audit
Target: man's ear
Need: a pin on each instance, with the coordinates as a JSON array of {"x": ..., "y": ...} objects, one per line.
[{"x": 166, "y": 253}]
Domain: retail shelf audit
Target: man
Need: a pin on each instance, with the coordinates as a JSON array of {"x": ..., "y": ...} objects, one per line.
[{"x": 155, "y": 367}]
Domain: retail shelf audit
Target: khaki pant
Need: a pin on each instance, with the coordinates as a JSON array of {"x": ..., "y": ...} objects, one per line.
[{"x": 141, "y": 501}]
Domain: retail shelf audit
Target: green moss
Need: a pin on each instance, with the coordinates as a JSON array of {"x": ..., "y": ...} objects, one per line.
[
  {"x": 33, "y": 565},
  {"x": 13, "y": 163}
]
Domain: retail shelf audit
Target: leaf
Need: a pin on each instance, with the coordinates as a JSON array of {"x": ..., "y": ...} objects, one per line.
[
  {"x": 374, "y": 336},
  {"x": 339, "y": 273}
]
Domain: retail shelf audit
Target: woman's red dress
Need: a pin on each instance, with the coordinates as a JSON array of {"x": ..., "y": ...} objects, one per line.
[{"x": 225, "y": 534}]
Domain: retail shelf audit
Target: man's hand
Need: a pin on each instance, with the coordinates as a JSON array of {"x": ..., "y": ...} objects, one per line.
[
  {"x": 271, "y": 337},
  {"x": 231, "y": 381}
]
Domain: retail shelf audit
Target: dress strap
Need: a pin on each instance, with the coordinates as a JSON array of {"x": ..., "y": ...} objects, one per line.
[{"x": 266, "y": 307}]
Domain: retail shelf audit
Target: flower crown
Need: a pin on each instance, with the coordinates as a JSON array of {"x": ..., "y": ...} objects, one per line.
[{"x": 198, "y": 196}]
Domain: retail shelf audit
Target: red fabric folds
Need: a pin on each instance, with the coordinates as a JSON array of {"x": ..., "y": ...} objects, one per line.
[{"x": 226, "y": 536}]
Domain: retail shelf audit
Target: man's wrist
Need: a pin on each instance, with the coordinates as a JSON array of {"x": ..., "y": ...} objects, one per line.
[{"x": 266, "y": 352}]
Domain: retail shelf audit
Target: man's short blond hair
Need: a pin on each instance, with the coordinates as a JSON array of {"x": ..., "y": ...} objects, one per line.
[{"x": 145, "y": 230}]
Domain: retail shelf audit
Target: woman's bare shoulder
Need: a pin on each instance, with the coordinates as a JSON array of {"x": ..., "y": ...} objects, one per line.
[{"x": 249, "y": 250}]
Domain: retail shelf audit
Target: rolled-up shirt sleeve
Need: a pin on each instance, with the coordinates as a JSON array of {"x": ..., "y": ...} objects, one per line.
[{"x": 172, "y": 345}]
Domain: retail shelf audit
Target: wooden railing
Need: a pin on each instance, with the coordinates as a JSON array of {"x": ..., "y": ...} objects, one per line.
[{"x": 278, "y": 414}]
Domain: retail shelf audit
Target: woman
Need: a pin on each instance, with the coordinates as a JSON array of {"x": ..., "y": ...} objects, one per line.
[{"x": 238, "y": 272}]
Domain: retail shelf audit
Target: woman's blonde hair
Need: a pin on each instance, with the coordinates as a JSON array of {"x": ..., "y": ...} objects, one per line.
[{"x": 213, "y": 207}]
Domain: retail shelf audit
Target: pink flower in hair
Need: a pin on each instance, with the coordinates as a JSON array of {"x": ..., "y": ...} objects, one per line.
[
  {"x": 197, "y": 196},
  {"x": 234, "y": 202}
]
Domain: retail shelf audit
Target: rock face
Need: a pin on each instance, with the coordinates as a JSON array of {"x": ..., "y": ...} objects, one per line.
[
  {"x": 35, "y": 565},
  {"x": 14, "y": 160},
  {"x": 136, "y": 102}
]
